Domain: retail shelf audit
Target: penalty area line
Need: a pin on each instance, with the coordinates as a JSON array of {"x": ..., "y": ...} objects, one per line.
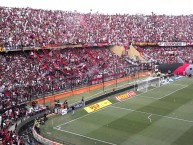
[
  {"x": 91, "y": 138},
  {"x": 174, "y": 118},
  {"x": 177, "y": 84},
  {"x": 173, "y": 92},
  {"x": 80, "y": 117},
  {"x": 149, "y": 117},
  {"x": 154, "y": 98},
  {"x": 138, "y": 95}
]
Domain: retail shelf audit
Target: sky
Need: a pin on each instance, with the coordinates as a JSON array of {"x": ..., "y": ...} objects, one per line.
[{"x": 168, "y": 7}]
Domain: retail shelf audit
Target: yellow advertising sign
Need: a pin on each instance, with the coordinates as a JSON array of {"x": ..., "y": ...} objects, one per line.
[{"x": 97, "y": 106}]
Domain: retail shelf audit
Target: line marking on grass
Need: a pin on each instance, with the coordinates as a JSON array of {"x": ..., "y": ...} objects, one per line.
[
  {"x": 184, "y": 86},
  {"x": 148, "y": 113},
  {"x": 138, "y": 95},
  {"x": 142, "y": 96},
  {"x": 80, "y": 117},
  {"x": 85, "y": 136},
  {"x": 149, "y": 117},
  {"x": 177, "y": 84},
  {"x": 173, "y": 92}
]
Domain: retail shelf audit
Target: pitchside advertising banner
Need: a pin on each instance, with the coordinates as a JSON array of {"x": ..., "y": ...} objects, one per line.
[
  {"x": 97, "y": 106},
  {"x": 125, "y": 96}
]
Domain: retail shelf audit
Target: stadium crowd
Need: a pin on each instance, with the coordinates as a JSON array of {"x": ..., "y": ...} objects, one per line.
[
  {"x": 34, "y": 73},
  {"x": 10, "y": 118},
  {"x": 24, "y": 74},
  {"x": 167, "y": 55},
  {"x": 10, "y": 138},
  {"x": 36, "y": 27}
]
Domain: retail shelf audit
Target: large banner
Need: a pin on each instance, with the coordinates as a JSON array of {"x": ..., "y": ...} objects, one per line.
[
  {"x": 97, "y": 106},
  {"x": 172, "y": 43}
]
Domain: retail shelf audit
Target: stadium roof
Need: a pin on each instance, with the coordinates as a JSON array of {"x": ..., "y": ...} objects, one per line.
[{"x": 169, "y": 7}]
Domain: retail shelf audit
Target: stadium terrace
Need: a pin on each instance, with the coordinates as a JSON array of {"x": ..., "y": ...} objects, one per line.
[
  {"x": 24, "y": 27},
  {"x": 44, "y": 53}
]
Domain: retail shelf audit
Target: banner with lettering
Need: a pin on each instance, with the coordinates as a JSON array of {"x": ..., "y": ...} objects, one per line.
[
  {"x": 172, "y": 43},
  {"x": 125, "y": 96},
  {"x": 97, "y": 106}
]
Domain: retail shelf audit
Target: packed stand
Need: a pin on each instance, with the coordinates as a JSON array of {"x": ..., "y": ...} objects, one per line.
[
  {"x": 21, "y": 27},
  {"x": 10, "y": 138},
  {"x": 167, "y": 55},
  {"x": 34, "y": 73},
  {"x": 10, "y": 118}
]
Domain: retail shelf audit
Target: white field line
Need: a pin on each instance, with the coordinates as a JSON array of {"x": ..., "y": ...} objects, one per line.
[
  {"x": 184, "y": 86},
  {"x": 59, "y": 126},
  {"x": 149, "y": 117},
  {"x": 173, "y": 92},
  {"x": 80, "y": 117},
  {"x": 177, "y": 84},
  {"x": 174, "y": 118},
  {"x": 85, "y": 136},
  {"x": 139, "y": 95},
  {"x": 143, "y": 96}
]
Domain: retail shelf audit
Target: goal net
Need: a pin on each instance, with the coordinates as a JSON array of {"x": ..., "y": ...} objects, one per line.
[{"x": 144, "y": 85}]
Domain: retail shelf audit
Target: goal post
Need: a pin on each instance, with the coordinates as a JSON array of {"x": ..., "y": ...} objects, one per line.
[
  {"x": 145, "y": 85},
  {"x": 142, "y": 85},
  {"x": 154, "y": 81}
]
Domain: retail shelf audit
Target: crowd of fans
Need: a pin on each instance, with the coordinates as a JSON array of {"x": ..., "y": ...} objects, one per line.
[
  {"x": 36, "y": 27},
  {"x": 10, "y": 138},
  {"x": 167, "y": 55},
  {"x": 10, "y": 118},
  {"x": 34, "y": 73},
  {"x": 26, "y": 74}
]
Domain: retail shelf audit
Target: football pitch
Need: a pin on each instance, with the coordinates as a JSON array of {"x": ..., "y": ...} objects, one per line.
[{"x": 160, "y": 116}]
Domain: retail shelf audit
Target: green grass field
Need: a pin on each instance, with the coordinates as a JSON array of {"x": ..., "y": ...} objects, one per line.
[{"x": 160, "y": 116}]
